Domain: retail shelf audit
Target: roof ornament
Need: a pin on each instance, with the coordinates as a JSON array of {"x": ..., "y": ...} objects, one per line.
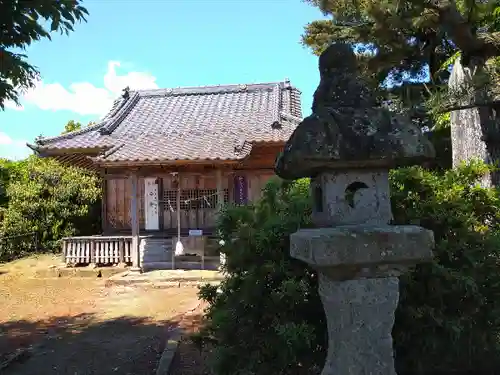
[
  {"x": 276, "y": 125},
  {"x": 243, "y": 87},
  {"x": 287, "y": 84},
  {"x": 169, "y": 91},
  {"x": 126, "y": 93}
]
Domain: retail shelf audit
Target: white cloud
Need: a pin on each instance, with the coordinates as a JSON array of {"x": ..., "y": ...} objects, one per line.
[
  {"x": 83, "y": 97},
  {"x": 6, "y": 140},
  {"x": 14, "y": 149}
]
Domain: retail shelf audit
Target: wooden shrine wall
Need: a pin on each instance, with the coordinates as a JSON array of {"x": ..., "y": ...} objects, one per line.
[
  {"x": 118, "y": 203},
  {"x": 199, "y": 198}
]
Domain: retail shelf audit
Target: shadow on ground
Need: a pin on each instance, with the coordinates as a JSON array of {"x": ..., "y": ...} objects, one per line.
[{"x": 84, "y": 345}]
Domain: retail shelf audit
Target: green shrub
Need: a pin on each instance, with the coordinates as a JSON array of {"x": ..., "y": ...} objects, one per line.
[
  {"x": 49, "y": 200},
  {"x": 449, "y": 313},
  {"x": 267, "y": 317}
]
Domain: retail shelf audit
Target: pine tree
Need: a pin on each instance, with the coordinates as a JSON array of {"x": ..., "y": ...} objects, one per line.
[{"x": 411, "y": 45}]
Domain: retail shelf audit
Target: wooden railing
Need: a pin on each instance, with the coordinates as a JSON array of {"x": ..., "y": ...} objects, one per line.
[{"x": 102, "y": 250}]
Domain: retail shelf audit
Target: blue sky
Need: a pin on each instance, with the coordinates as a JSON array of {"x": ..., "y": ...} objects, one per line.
[{"x": 159, "y": 43}]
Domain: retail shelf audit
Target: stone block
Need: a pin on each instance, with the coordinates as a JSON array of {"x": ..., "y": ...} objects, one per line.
[
  {"x": 351, "y": 245},
  {"x": 351, "y": 197}
]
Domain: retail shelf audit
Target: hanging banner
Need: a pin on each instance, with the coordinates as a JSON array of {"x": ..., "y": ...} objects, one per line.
[{"x": 240, "y": 190}]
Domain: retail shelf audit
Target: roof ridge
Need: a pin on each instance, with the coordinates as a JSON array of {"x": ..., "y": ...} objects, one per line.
[
  {"x": 109, "y": 152},
  {"x": 277, "y": 103},
  {"x": 115, "y": 107},
  {"x": 71, "y": 134},
  {"x": 225, "y": 84},
  {"x": 207, "y": 89},
  {"x": 118, "y": 116}
]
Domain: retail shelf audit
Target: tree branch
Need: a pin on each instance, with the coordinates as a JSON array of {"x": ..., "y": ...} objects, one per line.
[
  {"x": 446, "y": 109},
  {"x": 483, "y": 45}
]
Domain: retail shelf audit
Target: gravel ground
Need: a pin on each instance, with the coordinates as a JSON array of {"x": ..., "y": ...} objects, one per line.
[{"x": 76, "y": 326}]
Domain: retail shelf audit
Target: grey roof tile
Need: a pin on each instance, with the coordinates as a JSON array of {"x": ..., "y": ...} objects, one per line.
[{"x": 193, "y": 123}]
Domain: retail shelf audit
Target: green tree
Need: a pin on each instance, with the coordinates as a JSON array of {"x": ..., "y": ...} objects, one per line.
[
  {"x": 23, "y": 22},
  {"x": 71, "y": 126},
  {"x": 5, "y": 172},
  {"x": 412, "y": 44},
  {"x": 48, "y": 199}
]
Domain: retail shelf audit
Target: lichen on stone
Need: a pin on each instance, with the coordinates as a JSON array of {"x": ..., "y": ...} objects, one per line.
[{"x": 346, "y": 129}]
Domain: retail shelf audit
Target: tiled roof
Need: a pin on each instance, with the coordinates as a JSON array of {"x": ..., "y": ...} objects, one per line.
[{"x": 193, "y": 123}]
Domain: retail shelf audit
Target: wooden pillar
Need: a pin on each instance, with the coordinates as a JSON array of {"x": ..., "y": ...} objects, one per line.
[
  {"x": 134, "y": 208},
  {"x": 104, "y": 202},
  {"x": 220, "y": 200},
  {"x": 220, "y": 189},
  {"x": 178, "y": 212},
  {"x": 161, "y": 204},
  {"x": 230, "y": 185},
  {"x": 92, "y": 253}
]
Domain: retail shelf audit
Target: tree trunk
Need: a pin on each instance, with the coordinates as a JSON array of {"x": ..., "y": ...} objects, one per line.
[{"x": 474, "y": 133}]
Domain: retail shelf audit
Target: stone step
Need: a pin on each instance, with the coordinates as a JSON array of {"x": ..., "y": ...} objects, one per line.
[
  {"x": 161, "y": 284},
  {"x": 149, "y": 247},
  {"x": 155, "y": 259},
  {"x": 167, "y": 265}
]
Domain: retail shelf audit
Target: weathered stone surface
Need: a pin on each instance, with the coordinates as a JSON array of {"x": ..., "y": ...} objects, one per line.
[
  {"x": 356, "y": 197},
  {"x": 360, "y": 320},
  {"x": 356, "y": 245},
  {"x": 346, "y": 130}
]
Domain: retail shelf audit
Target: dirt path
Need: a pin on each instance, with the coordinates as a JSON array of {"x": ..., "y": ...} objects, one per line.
[
  {"x": 189, "y": 359},
  {"x": 77, "y": 326}
]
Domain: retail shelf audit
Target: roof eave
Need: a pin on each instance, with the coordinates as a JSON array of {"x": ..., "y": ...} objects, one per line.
[
  {"x": 59, "y": 151},
  {"x": 269, "y": 143},
  {"x": 170, "y": 163},
  {"x": 48, "y": 140}
]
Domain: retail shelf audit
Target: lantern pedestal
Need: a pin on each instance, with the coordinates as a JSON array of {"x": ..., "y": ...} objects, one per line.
[{"x": 358, "y": 268}]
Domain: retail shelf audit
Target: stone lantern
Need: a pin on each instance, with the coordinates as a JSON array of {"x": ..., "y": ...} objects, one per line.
[{"x": 347, "y": 146}]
